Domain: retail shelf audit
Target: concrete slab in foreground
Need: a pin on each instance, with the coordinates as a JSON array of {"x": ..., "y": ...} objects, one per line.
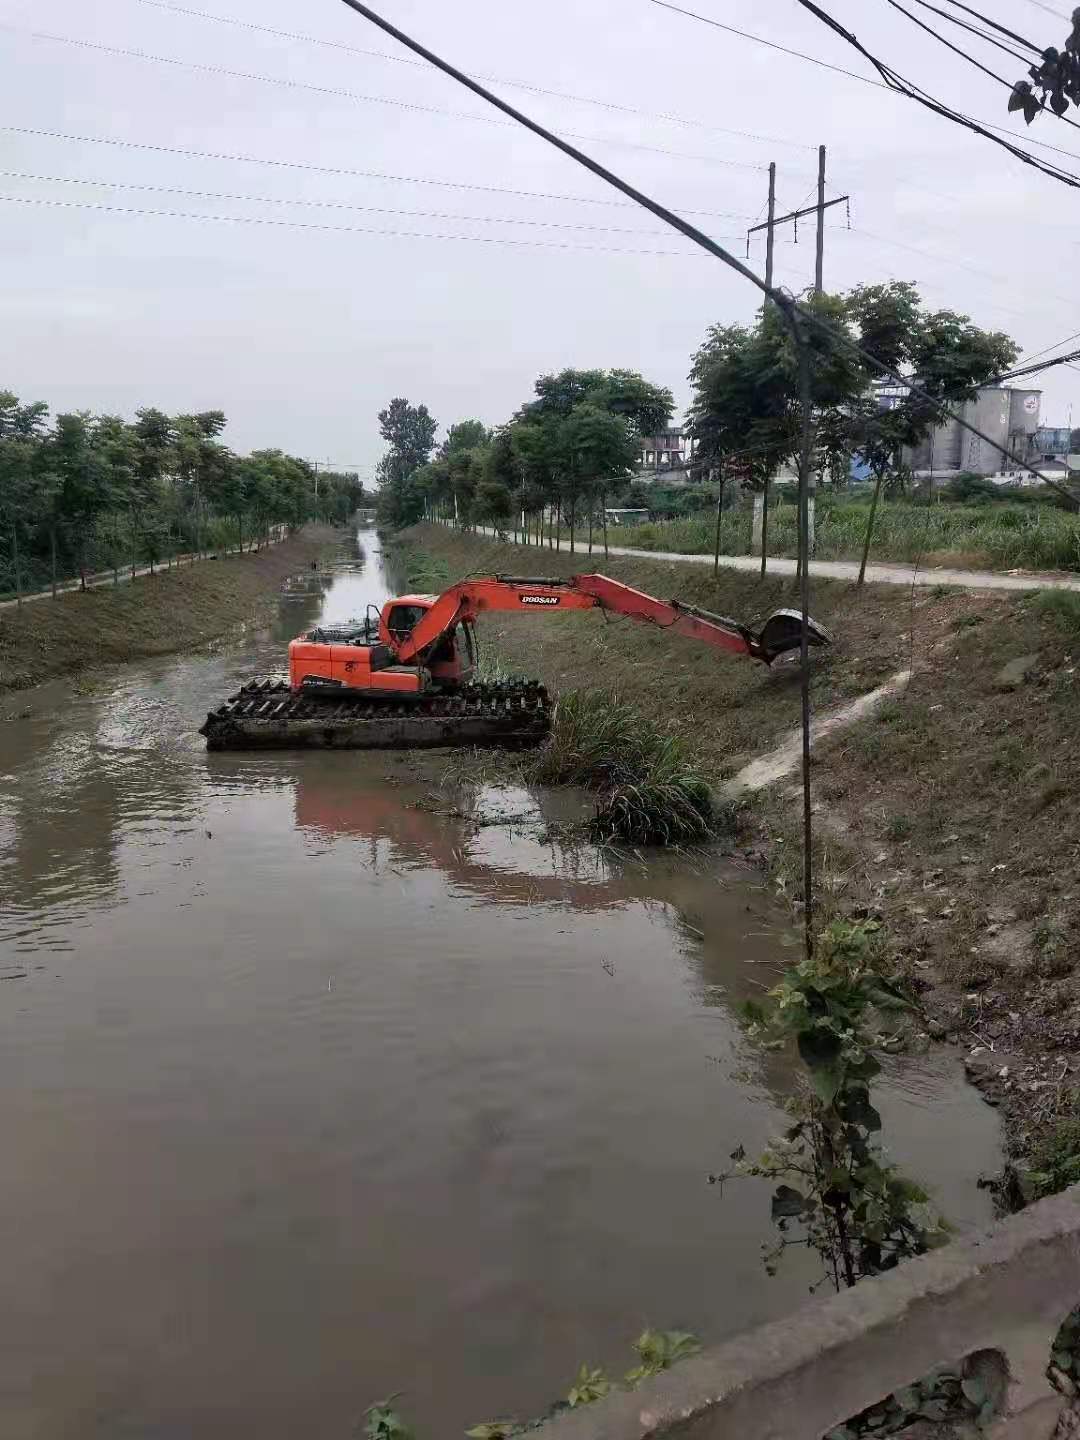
[{"x": 1006, "y": 1291}]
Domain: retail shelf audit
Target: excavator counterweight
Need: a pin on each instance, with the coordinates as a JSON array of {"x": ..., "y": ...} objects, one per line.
[{"x": 409, "y": 678}]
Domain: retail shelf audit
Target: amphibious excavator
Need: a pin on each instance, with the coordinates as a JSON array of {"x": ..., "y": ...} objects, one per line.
[{"x": 406, "y": 675}]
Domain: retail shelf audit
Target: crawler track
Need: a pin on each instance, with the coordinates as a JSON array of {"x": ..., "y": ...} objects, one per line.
[{"x": 266, "y": 715}]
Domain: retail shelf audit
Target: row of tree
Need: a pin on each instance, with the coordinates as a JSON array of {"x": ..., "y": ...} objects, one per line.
[
  {"x": 580, "y": 438},
  {"x": 81, "y": 492}
]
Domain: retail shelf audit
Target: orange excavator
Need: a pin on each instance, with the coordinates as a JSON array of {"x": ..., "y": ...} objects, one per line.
[{"x": 407, "y": 675}]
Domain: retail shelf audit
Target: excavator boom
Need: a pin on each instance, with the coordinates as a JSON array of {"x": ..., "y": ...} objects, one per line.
[{"x": 469, "y": 599}]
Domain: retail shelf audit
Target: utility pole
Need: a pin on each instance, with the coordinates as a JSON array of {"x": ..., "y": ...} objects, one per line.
[
  {"x": 770, "y": 226},
  {"x": 770, "y": 251},
  {"x": 819, "y": 271}
]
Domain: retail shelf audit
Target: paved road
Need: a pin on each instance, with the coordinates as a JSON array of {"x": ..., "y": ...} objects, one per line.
[
  {"x": 106, "y": 577},
  {"x": 876, "y": 574}
]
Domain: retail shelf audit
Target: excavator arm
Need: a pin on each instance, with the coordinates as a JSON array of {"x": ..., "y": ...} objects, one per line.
[{"x": 471, "y": 598}]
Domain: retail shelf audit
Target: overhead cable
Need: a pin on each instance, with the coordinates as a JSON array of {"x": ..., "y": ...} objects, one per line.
[
  {"x": 901, "y": 86},
  {"x": 665, "y": 117},
  {"x": 957, "y": 50},
  {"x": 326, "y": 229},
  {"x": 839, "y": 69},
  {"x": 797, "y": 314},
  {"x": 338, "y": 93},
  {"x": 975, "y": 30},
  {"x": 318, "y": 204},
  {"x": 340, "y": 170}
]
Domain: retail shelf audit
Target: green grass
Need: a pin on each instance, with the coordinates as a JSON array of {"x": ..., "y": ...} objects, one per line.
[
  {"x": 1005, "y": 535},
  {"x": 1062, "y": 606},
  {"x": 647, "y": 791},
  {"x": 1055, "y": 1161},
  {"x": 417, "y": 571}
]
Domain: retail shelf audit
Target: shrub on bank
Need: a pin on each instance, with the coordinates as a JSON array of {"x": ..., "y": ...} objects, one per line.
[{"x": 648, "y": 793}]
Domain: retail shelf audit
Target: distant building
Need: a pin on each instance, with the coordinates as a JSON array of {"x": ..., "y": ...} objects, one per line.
[
  {"x": 670, "y": 451},
  {"x": 1053, "y": 442},
  {"x": 1008, "y": 417}
]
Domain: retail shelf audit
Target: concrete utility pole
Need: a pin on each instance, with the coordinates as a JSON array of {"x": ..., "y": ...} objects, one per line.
[
  {"x": 770, "y": 252},
  {"x": 819, "y": 272},
  {"x": 770, "y": 227}
]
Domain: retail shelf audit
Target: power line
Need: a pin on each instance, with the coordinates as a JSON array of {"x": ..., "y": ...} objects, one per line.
[
  {"x": 666, "y": 117},
  {"x": 798, "y": 315},
  {"x": 353, "y": 95},
  {"x": 1056, "y": 346},
  {"x": 945, "y": 260},
  {"x": 1001, "y": 29},
  {"x": 975, "y": 30},
  {"x": 318, "y": 204},
  {"x": 839, "y": 70},
  {"x": 327, "y": 229},
  {"x": 964, "y": 54},
  {"x": 277, "y": 163},
  {"x": 1040, "y": 6},
  {"x": 901, "y": 86}
]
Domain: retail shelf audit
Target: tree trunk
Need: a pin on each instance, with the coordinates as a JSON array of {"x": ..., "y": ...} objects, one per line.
[
  {"x": 132, "y": 523},
  {"x": 765, "y": 526},
  {"x": 592, "y": 514},
  {"x": 18, "y": 569},
  {"x": 240, "y": 530},
  {"x": 604, "y": 497},
  {"x": 573, "y": 517},
  {"x": 52, "y": 555},
  {"x": 719, "y": 513},
  {"x": 870, "y": 527},
  {"x": 558, "y": 524}
]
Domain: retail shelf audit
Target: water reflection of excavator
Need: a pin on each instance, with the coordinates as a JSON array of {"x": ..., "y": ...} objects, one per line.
[{"x": 405, "y": 677}]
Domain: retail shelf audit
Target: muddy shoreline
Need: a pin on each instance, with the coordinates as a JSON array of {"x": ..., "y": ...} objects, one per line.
[
  {"x": 944, "y": 813},
  {"x": 151, "y": 615}
]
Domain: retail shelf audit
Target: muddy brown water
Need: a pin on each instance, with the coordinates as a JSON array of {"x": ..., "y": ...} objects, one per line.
[{"x": 310, "y": 1092}]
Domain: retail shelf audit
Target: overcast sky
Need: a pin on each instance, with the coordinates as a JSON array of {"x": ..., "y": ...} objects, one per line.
[{"x": 301, "y": 334}]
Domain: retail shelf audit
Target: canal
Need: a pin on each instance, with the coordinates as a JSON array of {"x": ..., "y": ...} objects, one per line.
[{"x": 317, "y": 1085}]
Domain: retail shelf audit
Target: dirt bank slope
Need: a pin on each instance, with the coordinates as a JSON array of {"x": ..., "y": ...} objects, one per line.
[
  {"x": 952, "y": 813},
  {"x": 151, "y": 615},
  {"x": 727, "y": 709}
]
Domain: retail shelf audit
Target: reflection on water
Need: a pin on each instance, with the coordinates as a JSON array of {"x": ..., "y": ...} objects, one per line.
[{"x": 325, "y": 1088}]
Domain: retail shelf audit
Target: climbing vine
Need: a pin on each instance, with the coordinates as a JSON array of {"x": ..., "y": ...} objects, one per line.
[
  {"x": 657, "y": 1350},
  {"x": 835, "y": 1191}
]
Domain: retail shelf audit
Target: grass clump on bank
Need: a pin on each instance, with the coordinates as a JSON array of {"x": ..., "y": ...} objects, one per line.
[
  {"x": 648, "y": 792},
  {"x": 418, "y": 571}
]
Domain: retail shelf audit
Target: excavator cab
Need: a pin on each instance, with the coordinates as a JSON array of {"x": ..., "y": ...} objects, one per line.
[
  {"x": 359, "y": 658},
  {"x": 451, "y": 660}
]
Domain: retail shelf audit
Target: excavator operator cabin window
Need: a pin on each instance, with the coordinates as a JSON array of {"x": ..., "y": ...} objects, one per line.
[{"x": 402, "y": 618}]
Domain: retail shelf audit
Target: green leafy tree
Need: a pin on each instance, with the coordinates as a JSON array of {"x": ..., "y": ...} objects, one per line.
[{"x": 409, "y": 431}]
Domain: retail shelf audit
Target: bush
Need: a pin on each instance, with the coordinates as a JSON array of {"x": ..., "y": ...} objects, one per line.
[
  {"x": 1062, "y": 606},
  {"x": 648, "y": 793}
]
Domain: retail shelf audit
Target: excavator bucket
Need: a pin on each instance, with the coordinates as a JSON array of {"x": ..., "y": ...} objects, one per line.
[{"x": 782, "y": 633}]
